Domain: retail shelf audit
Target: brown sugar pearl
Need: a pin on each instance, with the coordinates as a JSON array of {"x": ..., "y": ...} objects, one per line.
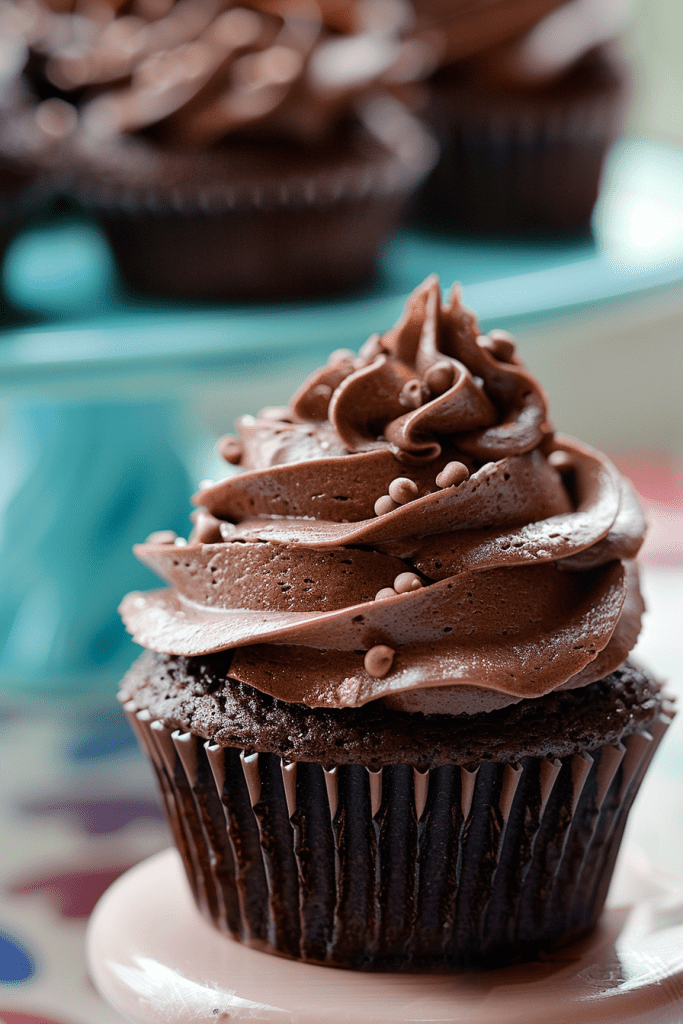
[
  {"x": 230, "y": 449},
  {"x": 340, "y": 355},
  {"x": 371, "y": 349},
  {"x": 411, "y": 395},
  {"x": 499, "y": 343},
  {"x": 162, "y": 537},
  {"x": 385, "y": 592},
  {"x": 385, "y": 504},
  {"x": 56, "y": 118},
  {"x": 452, "y": 474},
  {"x": 504, "y": 339},
  {"x": 439, "y": 377},
  {"x": 275, "y": 412},
  {"x": 561, "y": 461},
  {"x": 407, "y": 581},
  {"x": 378, "y": 661},
  {"x": 207, "y": 529},
  {"x": 402, "y": 490}
]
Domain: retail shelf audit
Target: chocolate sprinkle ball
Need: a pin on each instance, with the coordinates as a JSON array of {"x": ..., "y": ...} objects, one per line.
[{"x": 378, "y": 660}]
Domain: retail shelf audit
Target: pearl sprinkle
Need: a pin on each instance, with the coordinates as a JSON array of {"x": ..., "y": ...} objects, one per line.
[
  {"x": 402, "y": 490},
  {"x": 452, "y": 474},
  {"x": 378, "y": 661},
  {"x": 499, "y": 343},
  {"x": 405, "y": 582},
  {"x": 439, "y": 377},
  {"x": 411, "y": 395},
  {"x": 385, "y": 504},
  {"x": 162, "y": 537}
]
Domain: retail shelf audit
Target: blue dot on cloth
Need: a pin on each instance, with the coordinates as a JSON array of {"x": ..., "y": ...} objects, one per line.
[
  {"x": 16, "y": 963},
  {"x": 101, "y": 744}
]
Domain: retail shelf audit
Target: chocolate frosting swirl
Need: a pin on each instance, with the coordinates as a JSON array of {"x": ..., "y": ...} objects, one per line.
[
  {"x": 409, "y": 528},
  {"x": 196, "y": 71},
  {"x": 554, "y": 44},
  {"x": 462, "y": 28}
]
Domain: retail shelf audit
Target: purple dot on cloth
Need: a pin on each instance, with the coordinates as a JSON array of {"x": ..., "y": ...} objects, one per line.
[
  {"x": 75, "y": 893},
  {"x": 96, "y": 815},
  {"x": 12, "y": 1017},
  {"x": 16, "y": 963}
]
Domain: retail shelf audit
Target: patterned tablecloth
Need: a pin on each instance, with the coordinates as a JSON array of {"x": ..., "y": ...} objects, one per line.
[{"x": 77, "y": 806}]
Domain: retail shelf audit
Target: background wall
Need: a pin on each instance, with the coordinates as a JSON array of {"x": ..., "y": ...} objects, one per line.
[{"x": 654, "y": 44}]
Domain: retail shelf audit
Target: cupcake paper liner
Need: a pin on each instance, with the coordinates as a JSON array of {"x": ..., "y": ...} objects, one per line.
[
  {"x": 397, "y": 869},
  {"x": 253, "y": 254},
  {"x": 246, "y": 223},
  {"x": 526, "y": 161}
]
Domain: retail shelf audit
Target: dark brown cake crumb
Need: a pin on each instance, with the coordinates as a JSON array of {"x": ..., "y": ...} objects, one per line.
[{"x": 197, "y": 695}]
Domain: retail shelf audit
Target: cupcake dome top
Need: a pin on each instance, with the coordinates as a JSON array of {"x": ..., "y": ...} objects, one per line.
[{"x": 411, "y": 528}]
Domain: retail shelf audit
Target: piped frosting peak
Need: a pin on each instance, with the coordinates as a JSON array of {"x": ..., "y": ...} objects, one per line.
[{"x": 432, "y": 375}]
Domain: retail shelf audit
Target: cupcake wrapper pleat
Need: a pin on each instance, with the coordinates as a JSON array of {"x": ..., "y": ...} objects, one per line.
[
  {"x": 526, "y": 161},
  {"x": 397, "y": 869}
]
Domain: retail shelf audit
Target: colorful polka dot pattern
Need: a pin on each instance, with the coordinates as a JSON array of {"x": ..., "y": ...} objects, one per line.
[
  {"x": 16, "y": 962},
  {"x": 78, "y": 808},
  {"x": 96, "y": 816},
  {"x": 73, "y": 894}
]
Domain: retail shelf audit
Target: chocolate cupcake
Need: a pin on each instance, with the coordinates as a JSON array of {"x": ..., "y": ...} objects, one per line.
[
  {"x": 262, "y": 150},
  {"x": 387, "y": 693},
  {"x": 527, "y": 124}
]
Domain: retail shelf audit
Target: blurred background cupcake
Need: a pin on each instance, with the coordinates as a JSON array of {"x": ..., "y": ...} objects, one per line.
[
  {"x": 527, "y": 113},
  {"x": 257, "y": 150}
]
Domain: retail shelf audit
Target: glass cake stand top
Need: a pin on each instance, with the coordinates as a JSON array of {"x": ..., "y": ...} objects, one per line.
[{"x": 65, "y": 275}]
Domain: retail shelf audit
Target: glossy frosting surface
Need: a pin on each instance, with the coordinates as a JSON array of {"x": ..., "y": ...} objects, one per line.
[{"x": 410, "y": 524}]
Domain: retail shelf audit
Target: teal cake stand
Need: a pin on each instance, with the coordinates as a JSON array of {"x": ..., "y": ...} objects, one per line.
[{"x": 97, "y": 385}]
